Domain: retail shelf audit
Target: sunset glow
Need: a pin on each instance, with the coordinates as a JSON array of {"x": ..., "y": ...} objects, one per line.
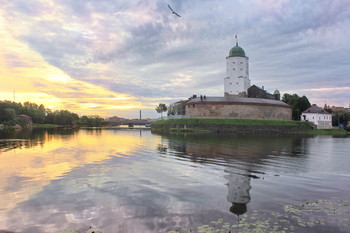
[{"x": 114, "y": 59}]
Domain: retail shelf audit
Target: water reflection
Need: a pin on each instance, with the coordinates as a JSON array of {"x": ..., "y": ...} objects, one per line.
[
  {"x": 238, "y": 190},
  {"x": 135, "y": 181},
  {"x": 242, "y": 157},
  {"x": 11, "y": 139},
  {"x": 32, "y": 160}
]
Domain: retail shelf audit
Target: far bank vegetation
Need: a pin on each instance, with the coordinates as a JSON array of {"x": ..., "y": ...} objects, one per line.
[{"x": 31, "y": 114}]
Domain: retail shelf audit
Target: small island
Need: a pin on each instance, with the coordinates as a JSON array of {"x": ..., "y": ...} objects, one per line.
[{"x": 243, "y": 108}]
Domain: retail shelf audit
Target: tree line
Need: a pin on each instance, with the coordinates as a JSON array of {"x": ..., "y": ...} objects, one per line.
[
  {"x": 12, "y": 113},
  {"x": 299, "y": 104},
  {"x": 340, "y": 117}
]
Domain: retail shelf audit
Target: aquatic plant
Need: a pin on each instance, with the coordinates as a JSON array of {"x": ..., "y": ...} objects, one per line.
[{"x": 292, "y": 218}]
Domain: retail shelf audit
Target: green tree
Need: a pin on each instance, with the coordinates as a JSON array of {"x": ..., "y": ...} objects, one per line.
[
  {"x": 95, "y": 121},
  {"x": 39, "y": 114},
  {"x": 171, "y": 109},
  {"x": 298, "y": 104},
  {"x": 62, "y": 117},
  {"x": 9, "y": 115},
  {"x": 340, "y": 117},
  {"x": 36, "y": 112},
  {"x": 9, "y": 110},
  {"x": 161, "y": 108}
]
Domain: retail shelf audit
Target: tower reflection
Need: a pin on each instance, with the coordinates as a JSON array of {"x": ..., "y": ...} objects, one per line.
[
  {"x": 242, "y": 156},
  {"x": 238, "y": 190}
]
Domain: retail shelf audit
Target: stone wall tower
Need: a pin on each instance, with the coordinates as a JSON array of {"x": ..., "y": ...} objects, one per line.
[{"x": 237, "y": 79}]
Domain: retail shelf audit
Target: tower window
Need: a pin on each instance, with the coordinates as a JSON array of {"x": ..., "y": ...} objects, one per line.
[
  {"x": 234, "y": 62},
  {"x": 241, "y": 62},
  {"x": 241, "y": 69},
  {"x": 234, "y": 69},
  {"x": 230, "y": 83}
]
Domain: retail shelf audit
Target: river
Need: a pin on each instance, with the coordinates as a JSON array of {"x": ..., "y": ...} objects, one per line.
[{"x": 133, "y": 180}]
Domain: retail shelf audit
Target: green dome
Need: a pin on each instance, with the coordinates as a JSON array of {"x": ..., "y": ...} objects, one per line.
[{"x": 237, "y": 52}]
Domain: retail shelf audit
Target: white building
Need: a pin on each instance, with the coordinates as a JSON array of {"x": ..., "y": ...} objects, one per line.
[
  {"x": 237, "y": 79},
  {"x": 315, "y": 114}
]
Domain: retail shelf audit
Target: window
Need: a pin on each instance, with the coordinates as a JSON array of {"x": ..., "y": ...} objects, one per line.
[
  {"x": 241, "y": 62},
  {"x": 193, "y": 105},
  {"x": 234, "y": 69}
]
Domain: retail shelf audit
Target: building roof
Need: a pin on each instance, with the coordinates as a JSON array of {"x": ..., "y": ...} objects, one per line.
[
  {"x": 315, "y": 109},
  {"x": 260, "y": 88},
  {"x": 337, "y": 108},
  {"x": 236, "y": 52},
  {"x": 237, "y": 100}
]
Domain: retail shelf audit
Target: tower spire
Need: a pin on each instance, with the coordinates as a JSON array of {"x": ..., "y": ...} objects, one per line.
[{"x": 236, "y": 39}]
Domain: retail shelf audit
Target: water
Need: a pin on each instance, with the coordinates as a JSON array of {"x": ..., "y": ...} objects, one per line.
[{"x": 121, "y": 180}]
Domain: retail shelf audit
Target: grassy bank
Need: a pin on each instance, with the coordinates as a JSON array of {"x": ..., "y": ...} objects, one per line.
[
  {"x": 46, "y": 126},
  {"x": 324, "y": 132},
  {"x": 189, "y": 130},
  {"x": 229, "y": 121}
]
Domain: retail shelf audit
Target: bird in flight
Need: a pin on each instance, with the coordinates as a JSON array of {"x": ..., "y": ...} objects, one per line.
[{"x": 172, "y": 11}]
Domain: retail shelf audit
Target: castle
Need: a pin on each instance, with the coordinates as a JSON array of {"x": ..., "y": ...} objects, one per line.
[{"x": 240, "y": 100}]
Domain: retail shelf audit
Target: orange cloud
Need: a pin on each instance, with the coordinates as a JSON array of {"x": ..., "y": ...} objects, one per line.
[{"x": 26, "y": 76}]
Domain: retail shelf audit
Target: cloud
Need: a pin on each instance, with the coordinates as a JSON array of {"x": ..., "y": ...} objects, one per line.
[{"x": 139, "y": 48}]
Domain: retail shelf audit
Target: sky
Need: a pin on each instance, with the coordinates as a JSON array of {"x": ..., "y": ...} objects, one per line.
[{"x": 117, "y": 57}]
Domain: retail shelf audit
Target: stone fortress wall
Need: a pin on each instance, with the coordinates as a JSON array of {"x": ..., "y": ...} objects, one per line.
[{"x": 243, "y": 111}]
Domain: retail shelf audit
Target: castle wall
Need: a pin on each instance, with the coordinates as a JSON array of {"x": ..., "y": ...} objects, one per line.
[{"x": 244, "y": 111}]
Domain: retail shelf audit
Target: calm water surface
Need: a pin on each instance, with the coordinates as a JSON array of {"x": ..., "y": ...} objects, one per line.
[{"x": 121, "y": 180}]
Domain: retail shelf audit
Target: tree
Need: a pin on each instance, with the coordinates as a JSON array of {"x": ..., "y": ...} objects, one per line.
[
  {"x": 161, "y": 108},
  {"x": 8, "y": 116},
  {"x": 340, "y": 117},
  {"x": 36, "y": 112},
  {"x": 9, "y": 112},
  {"x": 298, "y": 104},
  {"x": 62, "y": 117},
  {"x": 171, "y": 109},
  {"x": 95, "y": 121}
]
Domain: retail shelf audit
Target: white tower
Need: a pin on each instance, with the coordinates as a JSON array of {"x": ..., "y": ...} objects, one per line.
[{"x": 237, "y": 79}]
